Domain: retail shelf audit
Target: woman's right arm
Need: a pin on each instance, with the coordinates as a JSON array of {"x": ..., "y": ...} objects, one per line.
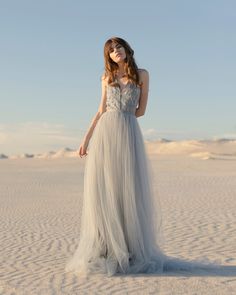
[{"x": 101, "y": 110}]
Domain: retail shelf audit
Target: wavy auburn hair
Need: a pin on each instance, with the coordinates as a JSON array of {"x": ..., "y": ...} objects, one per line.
[{"x": 111, "y": 67}]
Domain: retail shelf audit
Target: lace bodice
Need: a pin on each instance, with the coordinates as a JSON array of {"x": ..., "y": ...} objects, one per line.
[{"x": 125, "y": 99}]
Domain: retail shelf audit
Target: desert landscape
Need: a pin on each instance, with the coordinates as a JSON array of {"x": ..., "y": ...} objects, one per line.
[{"x": 41, "y": 197}]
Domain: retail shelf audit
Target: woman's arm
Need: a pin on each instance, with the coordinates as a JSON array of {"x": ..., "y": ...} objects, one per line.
[
  {"x": 101, "y": 110},
  {"x": 144, "y": 78}
]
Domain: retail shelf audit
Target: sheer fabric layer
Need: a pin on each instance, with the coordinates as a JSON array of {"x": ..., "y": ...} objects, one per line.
[{"x": 120, "y": 225}]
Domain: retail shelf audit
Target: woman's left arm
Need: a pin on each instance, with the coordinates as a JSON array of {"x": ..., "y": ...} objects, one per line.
[{"x": 144, "y": 79}]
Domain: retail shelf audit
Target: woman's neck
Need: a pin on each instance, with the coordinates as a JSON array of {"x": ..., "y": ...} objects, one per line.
[{"x": 121, "y": 70}]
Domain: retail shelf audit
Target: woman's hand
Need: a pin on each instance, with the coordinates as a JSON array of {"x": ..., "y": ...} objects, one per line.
[{"x": 83, "y": 149}]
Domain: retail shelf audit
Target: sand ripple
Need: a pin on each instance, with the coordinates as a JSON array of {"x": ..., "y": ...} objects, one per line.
[{"x": 40, "y": 218}]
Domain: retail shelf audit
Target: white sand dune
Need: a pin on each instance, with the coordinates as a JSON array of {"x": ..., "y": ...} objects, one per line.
[
  {"x": 66, "y": 153},
  {"x": 46, "y": 155},
  {"x": 62, "y": 153},
  {"x": 221, "y": 149},
  {"x": 40, "y": 213},
  {"x": 224, "y": 149},
  {"x": 174, "y": 147},
  {"x": 22, "y": 156}
]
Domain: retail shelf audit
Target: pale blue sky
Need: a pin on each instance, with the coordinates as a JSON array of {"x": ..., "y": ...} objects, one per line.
[{"x": 51, "y": 58}]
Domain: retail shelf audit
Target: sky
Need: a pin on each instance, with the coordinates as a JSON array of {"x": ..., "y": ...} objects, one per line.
[{"x": 51, "y": 56}]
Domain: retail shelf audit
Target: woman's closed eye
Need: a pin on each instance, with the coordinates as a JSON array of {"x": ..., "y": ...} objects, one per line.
[{"x": 117, "y": 47}]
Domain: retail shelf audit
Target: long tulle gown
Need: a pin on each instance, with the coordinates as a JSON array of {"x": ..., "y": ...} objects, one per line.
[{"x": 121, "y": 221}]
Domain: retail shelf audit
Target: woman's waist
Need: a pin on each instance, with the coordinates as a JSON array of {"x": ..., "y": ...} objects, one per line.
[{"x": 128, "y": 112}]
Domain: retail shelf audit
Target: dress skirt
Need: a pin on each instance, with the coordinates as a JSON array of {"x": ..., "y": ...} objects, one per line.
[
  {"x": 120, "y": 225},
  {"x": 121, "y": 217}
]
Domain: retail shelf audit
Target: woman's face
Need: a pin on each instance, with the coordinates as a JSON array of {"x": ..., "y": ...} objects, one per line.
[{"x": 117, "y": 53}]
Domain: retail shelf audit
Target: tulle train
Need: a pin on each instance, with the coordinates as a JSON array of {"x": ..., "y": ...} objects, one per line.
[{"x": 121, "y": 216}]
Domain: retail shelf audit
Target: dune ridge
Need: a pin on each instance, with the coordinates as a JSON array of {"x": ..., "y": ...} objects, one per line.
[{"x": 217, "y": 149}]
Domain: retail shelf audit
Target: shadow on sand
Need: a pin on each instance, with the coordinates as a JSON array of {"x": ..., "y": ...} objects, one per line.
[{"x": 178, "y": 267}]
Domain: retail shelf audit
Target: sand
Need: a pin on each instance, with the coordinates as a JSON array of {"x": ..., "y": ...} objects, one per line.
[{"x": 40, "y": 217}]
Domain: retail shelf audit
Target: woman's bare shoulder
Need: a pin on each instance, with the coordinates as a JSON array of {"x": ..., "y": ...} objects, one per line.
[
  {"x": 143, "y": 76},
  {"x": 143, "y": 72},
  {"x": 104, "y": 78}
]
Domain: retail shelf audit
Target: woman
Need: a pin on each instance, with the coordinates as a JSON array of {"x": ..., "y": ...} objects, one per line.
[{"x": 120, "y": 226}]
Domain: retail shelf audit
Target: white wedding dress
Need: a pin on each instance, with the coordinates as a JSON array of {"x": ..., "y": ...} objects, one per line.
[{"x": 121, "y": 221}]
